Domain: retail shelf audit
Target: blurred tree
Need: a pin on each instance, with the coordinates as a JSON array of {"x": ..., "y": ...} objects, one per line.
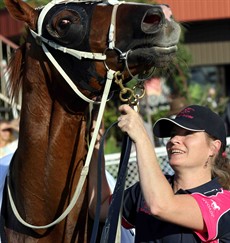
[
  {"x": 34, "y": 3},
  {"x": 37, "y": 3},
  {"x": 179, "y": 70}
]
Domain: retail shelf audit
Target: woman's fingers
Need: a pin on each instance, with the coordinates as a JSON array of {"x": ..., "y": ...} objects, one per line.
[
  {"x": 125, "y": 109},
  {"x": 129, "y": 121}
]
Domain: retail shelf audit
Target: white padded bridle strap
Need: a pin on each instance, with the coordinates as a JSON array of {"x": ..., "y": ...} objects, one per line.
[
  {"x": 78, "y": 54},
  {"x": 112, "y": 29}
]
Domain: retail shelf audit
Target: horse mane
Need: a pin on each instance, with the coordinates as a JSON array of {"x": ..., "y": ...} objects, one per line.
[{"x": 15, "y": 69}]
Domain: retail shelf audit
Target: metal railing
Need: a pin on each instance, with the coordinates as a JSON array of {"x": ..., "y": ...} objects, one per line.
[
  {"x": 8, "y": 107},
  {"x": 112, "y": 164}
]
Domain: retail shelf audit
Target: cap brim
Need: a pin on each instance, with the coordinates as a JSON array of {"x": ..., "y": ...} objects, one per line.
[{"x": 163, "y": 127}]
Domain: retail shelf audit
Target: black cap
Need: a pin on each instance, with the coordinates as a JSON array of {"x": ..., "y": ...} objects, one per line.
[{"x": 193, "y": 118}]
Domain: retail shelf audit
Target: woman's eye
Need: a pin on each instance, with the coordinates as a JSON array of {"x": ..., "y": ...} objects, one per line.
[
  {"x": 189, "y": 132},
  {"x": 181, "y": 133},
  {"x": 174, "y": 133}
]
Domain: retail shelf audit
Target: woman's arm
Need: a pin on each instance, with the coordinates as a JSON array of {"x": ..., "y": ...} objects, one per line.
[{"x": 179, "y": 209}]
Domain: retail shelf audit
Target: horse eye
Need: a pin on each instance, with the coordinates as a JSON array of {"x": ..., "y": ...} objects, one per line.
[{"x": 63, "y": 23}]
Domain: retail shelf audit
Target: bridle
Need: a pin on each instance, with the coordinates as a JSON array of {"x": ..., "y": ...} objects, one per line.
[
  {"x": 110, "y": 75},
  {"x": 76, "y": 53}
]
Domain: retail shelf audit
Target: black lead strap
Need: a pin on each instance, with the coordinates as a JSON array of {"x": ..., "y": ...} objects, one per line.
[
  {"x": 110, "y": 228},
  {"x": 99, "y": 179}
]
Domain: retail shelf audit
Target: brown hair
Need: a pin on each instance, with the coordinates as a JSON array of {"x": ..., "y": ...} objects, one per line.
[{"x": 221, "y": 169}]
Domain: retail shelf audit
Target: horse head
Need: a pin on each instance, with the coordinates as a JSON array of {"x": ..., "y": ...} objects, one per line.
[{"x": 88, "y": 38}]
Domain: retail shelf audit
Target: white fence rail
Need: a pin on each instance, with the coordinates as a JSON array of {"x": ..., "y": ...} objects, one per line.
[
  {"x": 113, "y": 160},
  {"x": 7, "y": 106}
]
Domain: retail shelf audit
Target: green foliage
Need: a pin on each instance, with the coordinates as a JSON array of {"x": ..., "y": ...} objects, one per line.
[
  {"x": 196, "y": 93},
  {"x": 34, "y": 3},
  {"x": 180, "y": 70},
  {"x": 37, "y": 3},
  {"x": 111, "y": 113},
  {"x": 110, "y": 116},
  {"x": 111, "y": 146},
  {"x": 200, "y": 94},
  {"x": 159, "y": 114}
]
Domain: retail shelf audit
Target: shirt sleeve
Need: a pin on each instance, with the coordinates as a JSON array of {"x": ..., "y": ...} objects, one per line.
[
  {"x": 212, "y": 209},
  {"x": 130, "y": 206}
]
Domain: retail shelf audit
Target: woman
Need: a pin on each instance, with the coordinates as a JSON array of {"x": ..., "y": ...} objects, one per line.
[
  {"x": 8, "y": 142},
  {"x": 193, "y": 205}
]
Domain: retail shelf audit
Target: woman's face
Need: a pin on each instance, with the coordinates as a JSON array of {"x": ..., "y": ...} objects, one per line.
[
  {"x": 5, "y": 132},
  {"x": 188, "y": 149}
]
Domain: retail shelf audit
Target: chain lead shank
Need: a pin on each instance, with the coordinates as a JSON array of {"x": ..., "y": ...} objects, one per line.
[{"x": 127, "y": 95}]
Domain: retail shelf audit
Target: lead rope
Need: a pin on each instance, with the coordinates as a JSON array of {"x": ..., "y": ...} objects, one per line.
[
  {"x": 99, "y": 180},
  {"x": 110, "y": 229}
]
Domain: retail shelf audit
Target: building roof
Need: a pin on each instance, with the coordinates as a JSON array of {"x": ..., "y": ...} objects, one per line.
[
  {"x": 183, "y": 11},
  {"x": 197, "y": 10}
]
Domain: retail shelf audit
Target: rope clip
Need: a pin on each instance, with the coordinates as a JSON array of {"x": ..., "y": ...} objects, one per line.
[{"x": 127, "y": 95}]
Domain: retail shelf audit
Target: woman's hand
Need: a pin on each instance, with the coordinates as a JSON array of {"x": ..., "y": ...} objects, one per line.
[{"x": 131, "y": 122}]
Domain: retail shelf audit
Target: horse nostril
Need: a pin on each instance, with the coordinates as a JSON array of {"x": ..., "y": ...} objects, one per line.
[{"x": 151, "y": 21}]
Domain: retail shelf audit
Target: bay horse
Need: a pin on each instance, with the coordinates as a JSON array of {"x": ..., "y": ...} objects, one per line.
[{"x": 86, "y": 39}]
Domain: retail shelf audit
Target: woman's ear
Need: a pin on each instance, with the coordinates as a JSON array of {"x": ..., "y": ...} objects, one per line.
[{"x": 215, "y": 147}]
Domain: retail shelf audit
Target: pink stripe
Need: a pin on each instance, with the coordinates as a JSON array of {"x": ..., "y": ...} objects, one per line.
[{"x": 167, "y": 12}]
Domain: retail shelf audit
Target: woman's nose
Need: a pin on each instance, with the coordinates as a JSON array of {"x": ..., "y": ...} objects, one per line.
[{"x": 175, "y": 139}]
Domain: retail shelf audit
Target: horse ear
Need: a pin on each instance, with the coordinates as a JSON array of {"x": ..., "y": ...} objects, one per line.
[{"x": 22, "y": 11}]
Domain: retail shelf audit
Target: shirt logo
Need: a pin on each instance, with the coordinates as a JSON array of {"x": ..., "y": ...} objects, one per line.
[{"x": 214, "y": 205}]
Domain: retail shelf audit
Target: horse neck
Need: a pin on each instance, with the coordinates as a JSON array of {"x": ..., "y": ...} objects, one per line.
[
  {"x": 52, "y": 140},
  {"x": 53, "y": 120},
  {"x": 56, "y": 136},
  {"x": 51, "y": 150}
]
